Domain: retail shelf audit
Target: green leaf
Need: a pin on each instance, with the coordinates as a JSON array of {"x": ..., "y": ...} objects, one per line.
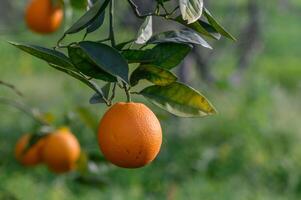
[
  {"x": 48, "y": 55},
  {"x": 58, "y": 61},
  {"x": 78, "y": 4},
  {"x": 89, "y": 17},
  {"x": 169, "y": 55},
  {"x": 98, "y": 22},
  {"x": 217, "y": 26},
  {"x": 136, "y": 56},
  {"x": 106, "y": 58},
  {"x": 179, "y": 99},
  {"x": 96, "y": 98},
  {"x": 191, "y": 10},
  {"x": 146, "y": 31},
  {"x": 123, "y": 44},
  {"x": 153, "y": 74},
  {"x": 79, "y": 77},
  {"x": 164, "y": 55},
  {"x": 85, "y": 65},
  {"x": 200, "y": 27},
  {"x": 181, "y": 37},
  {"x": 210, "y": 29}
]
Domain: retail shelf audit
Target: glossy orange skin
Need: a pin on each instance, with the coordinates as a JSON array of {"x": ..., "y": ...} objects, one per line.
[
  {"x": 33, "y": 155},
  {"x": 43, "y": 17},
  {"x": 61, "y": 151},
  {"x": 130, "y": 135}
]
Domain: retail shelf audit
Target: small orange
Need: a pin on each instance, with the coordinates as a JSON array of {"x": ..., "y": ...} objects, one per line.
[
  {"x": 42, "y": 16},
  {"x": 61, "y": 151},
  {"x": 32, "y": 156},
  {"x": 130, "y": 135}
]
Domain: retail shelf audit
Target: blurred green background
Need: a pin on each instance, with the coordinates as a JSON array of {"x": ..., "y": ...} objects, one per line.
[{"x": 249, "y": 151}]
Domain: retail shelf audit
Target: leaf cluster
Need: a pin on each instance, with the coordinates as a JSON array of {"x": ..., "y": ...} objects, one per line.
[{"x": 155, "y": 54}]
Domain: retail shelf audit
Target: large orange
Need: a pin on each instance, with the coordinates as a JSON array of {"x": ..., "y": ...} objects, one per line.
[
  {"x": 32, "y": 156},
  {"x": 61, "y": 151},
  {"x": 43, "y": 17},
  {"x": 130, "y": 135}
]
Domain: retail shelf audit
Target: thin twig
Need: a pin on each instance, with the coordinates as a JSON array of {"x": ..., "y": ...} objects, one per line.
[
  {"x": 103, "y": 40},
  {"x": 120, "y": 85},
  {"x": 134, "y": 92},
  {"x": 174, "y": 10},
  {"x": 80, "y": 76},
  {"x": 95, "y": 87},
  {"x": 113, "y": 92},
  {"x": 58, "y": 44},
  {"x": 139, "y": 15},
  {"x": 99, "y": 92},
  {"x": 11, "y": 87},
  {"x": 64, "y": 46},
  {"x": 164, "y": 8},
  {"x": 24, "y": 109},
  {"x": 157, "y": 11},
  {"x": 131, "y": 45},
  {"x": 86, "y": 34}
]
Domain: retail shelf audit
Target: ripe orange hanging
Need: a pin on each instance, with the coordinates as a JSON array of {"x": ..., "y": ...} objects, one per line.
[
  {"x": 130, "y": 135},
  {"x": 61, "y": 151},
  {"x": 32, "y": 156},
  {"x": 42, "y": 16}
]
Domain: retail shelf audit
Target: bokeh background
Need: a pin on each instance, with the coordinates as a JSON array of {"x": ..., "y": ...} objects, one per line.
[{"x": 250, "y": 150}]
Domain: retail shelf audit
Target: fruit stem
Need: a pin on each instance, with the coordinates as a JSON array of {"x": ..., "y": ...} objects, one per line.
[
  {"x": 113, "y": 93},
  {"x": 127, "y": 91},
  {"x": 58, "y": 44}
]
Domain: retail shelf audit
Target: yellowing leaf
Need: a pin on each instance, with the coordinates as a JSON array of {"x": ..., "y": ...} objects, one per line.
[{"x": 179, "y": 99}]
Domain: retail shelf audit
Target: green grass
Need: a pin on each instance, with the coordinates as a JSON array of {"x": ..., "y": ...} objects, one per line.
[{"x": 249, "y": 151}]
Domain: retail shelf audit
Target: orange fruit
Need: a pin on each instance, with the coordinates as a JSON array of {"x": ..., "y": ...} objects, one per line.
[
  {"x": 61, "y": 151},
  {"x": 130, "y": 135},
  {"x": 32, "y": 156},
  {"x": 42, "y": 16}
]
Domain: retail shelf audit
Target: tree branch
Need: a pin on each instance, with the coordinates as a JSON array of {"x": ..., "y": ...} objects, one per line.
[
  {"x": 112, "y": 36},
  {"x": 142, "y": 16},
  {"x": 11, "y": 87}
]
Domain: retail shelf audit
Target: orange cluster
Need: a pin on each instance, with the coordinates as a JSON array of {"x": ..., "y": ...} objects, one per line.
[
  {"x": 59, "y": 151},
  {"x": 129, "y": 136}
]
